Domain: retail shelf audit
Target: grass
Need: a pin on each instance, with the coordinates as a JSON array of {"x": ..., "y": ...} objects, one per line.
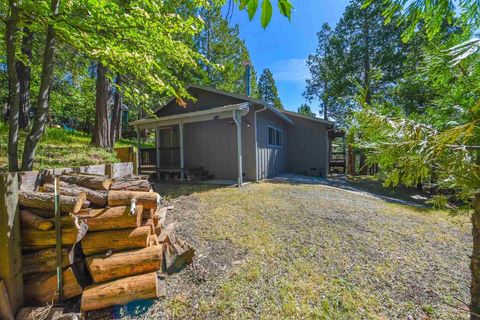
[
  {"x": 60, "y": 148},
  {"x": 310, "y": 252}
]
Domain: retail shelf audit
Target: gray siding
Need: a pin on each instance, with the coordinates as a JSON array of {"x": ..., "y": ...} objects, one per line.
[
  {"x": 271, "y": 160},
  {"x": 213, "y": 145},
  {"x": 307, "y": 147}
]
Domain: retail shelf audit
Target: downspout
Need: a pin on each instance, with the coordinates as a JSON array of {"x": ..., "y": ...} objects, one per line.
[
  {"x": 256, "y": 142},
  {"x": 237, "y": 118}
]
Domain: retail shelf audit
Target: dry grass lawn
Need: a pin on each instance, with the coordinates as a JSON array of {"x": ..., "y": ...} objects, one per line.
[{"x": 276, "y": 251}]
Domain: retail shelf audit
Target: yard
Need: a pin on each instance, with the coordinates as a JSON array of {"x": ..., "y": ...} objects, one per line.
[{"x": 281, "y": 250}]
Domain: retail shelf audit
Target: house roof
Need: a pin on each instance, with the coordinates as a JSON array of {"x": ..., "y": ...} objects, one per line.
[
  {"x": 236, "y": 96},
  {"x": 196, "y": 116},
  {"x": 295, "y": 114}
]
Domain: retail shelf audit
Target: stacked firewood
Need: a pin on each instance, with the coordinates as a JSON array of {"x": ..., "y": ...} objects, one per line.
[{"x": 115, "y": 245}]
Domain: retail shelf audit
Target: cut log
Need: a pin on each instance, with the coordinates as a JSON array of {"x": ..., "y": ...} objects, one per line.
[
  {"x": 116, "y": 240},
  {"x": 33, "y": 239},
  {"x": 95, "y": 182},
  {"x": 124, "y": 264},
  {"x": 42, "y": 200},
  {"x": 43, "y": 261},
  {"x": 177, "y": 255},
  {"x": 90, "y": 213},
  {"x": 96, "y": 197},
  {"x": 115, "y": 218},
  {"x": 6, "y": 310},
  {"x": 153, "y": 240},
  {"x": 121, "y": 291},
  {"x": 132, "y": 185},
  {"x": 149, "y": 200},
  {"x": 42, "y": 288},
  {"x": 31, "y": 220},
  {"x": 149, "y": 223},
  {"x": 162, "y": 215},
  {"x": 168, "y": 234},
  {"x": 133, "y": 177}
]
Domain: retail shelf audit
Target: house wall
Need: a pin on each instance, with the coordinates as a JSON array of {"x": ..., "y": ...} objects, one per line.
[
  {"x": 213, "y": 146},
  {"x": 271, "y": 160},
  {"x": 307, "y": 147}
]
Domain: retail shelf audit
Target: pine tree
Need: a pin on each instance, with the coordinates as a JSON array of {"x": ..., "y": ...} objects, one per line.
[
  {"x": 305, "y": 110},
  {"x": 268, "y": 89}
]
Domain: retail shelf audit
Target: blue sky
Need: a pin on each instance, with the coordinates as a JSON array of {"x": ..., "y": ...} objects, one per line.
[{"x": 284, "y": 46}]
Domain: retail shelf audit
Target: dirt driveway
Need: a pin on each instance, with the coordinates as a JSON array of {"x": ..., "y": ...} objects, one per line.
[{"x": 281, "y": 250}]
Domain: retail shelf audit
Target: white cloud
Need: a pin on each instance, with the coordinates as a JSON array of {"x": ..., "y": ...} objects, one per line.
[{"x": 290, "y": 70}]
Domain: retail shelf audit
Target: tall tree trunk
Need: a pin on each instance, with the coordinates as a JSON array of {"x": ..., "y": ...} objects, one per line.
[
  {"x": 23, "y": 72},
  {"x": 475, "y": 262},
  {"x": 13, "y": 86},
  {"x": 116, "y": 112},
  {"x": 38, "y": 126},
  {"x": 101, "y": 130},
  {"x": 366, "y": 80}
]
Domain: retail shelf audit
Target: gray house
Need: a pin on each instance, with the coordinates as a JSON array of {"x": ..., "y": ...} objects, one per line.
[{"x": 234, "y": 137}]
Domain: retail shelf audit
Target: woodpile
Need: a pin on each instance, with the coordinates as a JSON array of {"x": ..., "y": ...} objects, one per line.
[{"x": 115, "y": 245}]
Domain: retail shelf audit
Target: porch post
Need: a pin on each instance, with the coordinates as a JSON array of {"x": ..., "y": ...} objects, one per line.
[
  {"x": 182, "y": 160},
  {"x": 138, "y": 152},
  {"x": 157, "y": 149},
  {"x": 237, "y": 117}
]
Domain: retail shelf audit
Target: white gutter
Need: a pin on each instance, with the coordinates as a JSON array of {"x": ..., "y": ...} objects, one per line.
[
  {"x": 185, "y": 116},
  {"x": 256, "y": 142}
]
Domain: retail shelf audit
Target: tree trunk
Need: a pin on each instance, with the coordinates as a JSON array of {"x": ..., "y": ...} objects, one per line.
[
  {"x": 13, "y": 86},
  {"x": 23, "y": 72},
  {"x": 116, "y": 112},
  {"x": 475, "y": 262},
  {"x": 366, "y": 59},
  {"x": 116, "y": 240},
  {"x": 40, "y": 119},
  {"x": 101, "y": 130},
  {"x": 149, "y": 200}
]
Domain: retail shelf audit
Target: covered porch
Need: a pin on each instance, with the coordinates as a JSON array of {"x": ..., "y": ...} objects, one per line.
[{"x": 168, "y": 157}]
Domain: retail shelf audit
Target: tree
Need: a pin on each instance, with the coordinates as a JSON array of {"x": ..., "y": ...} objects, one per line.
[
  {"x": 267, "y": 89},
  {"x": 150, "y": 42},
  {"x": 305, "y": 110},
  {"x": 417, "y": 148},
  {"x": 361, "y": 51},
  {"x": 226, "y": 54},
  {"x": 319, "y": 67}
]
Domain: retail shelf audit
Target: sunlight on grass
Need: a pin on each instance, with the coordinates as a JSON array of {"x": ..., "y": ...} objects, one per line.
[
  {"x": 306, "y": 259},
  {"x": 58, "y": 148}
]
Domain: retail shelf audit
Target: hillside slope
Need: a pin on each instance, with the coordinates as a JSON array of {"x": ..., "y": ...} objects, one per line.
[{"x": 58, "y": 148}]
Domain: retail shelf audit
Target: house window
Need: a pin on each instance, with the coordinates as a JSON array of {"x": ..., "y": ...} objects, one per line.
[{"x": 274, "y": 137}]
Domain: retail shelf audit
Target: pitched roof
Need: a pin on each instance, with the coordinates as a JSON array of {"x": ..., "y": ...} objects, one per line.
[
  {"x": 296, "y": 114},
  {"x": 234, "y": 95}
]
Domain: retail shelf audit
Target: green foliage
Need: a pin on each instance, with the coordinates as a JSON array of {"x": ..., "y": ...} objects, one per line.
[
  {"x": 306, "y": 110},
  {"x": 59, "y": 148},
  {"x": 285, "y": 7},
  {"x": 439, "y": 145},
  {"x": 225, "y": 53},
  {"x": 363, "y": 49},
  {"x": 430, "y": 14},
  {"x": 267, "y": 89}
]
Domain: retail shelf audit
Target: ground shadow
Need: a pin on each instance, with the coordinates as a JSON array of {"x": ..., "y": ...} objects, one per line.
[{"x": 361, "y": 185}]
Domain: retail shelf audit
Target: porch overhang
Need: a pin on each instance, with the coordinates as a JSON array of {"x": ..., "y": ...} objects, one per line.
[{"x": 190, "y": 117}]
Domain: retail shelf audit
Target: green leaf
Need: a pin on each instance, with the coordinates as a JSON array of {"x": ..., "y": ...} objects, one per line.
[
  {"x": 266, "y": 13},
  {"x": 285, "y": 7},
  {"x": 252, "y": 8}
]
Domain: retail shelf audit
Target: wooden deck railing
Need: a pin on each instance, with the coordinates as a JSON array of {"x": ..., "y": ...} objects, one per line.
[{"x": 169, "y": 157}]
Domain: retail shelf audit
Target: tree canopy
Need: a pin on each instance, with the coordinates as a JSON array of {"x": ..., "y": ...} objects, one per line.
[{"x": 267, "y": 89}]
